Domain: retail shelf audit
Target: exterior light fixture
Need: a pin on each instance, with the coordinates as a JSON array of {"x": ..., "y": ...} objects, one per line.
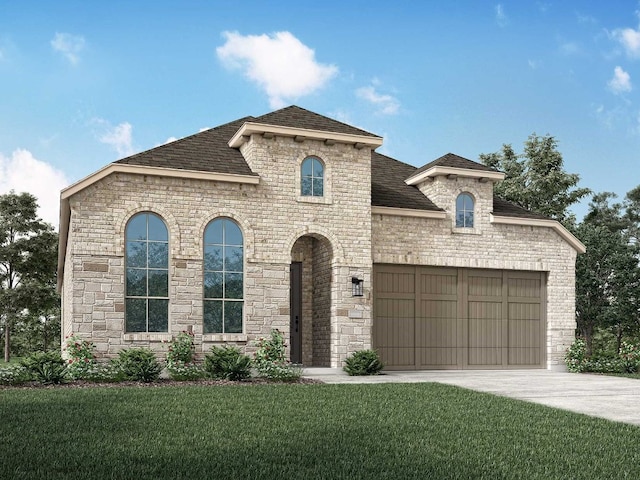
[{"x": 357, "y": 286}]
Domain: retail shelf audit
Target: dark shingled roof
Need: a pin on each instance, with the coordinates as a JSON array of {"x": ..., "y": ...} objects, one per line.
[
  {"x": 455, "y": 161},
  {"x": 388, "y": 188},
  {"x": 206, "y": 151},
  {"x": 209, "y": 151},
  {"x": 294, "y": 116},
  {"x": 507, "y": 209}
]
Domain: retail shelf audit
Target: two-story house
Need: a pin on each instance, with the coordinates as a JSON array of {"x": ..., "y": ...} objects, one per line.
[{"x": 293, "y": 221}]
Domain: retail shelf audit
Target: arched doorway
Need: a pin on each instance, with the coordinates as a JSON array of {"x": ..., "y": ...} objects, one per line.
[{"x": 310, "y": 301}]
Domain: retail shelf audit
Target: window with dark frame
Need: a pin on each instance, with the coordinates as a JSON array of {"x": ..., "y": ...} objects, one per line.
[
  {"x": 312, "y": 177},
  {"x": 223, "y": 277},
  {"x": 464, "y": 211},
  {"x": 147, "y": 274}
]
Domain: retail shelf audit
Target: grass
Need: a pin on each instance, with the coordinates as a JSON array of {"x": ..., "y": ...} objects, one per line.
[{"x": 303, "y": 431}]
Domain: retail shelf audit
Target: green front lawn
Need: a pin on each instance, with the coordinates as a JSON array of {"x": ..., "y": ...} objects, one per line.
[{"x": 303, "y": 432}]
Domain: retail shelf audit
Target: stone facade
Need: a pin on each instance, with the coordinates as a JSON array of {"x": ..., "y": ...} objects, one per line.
[
  {"x": 273, "y": 218},
  {"x": 435, "y": 242},
  {"x": 334, "y": 237}
]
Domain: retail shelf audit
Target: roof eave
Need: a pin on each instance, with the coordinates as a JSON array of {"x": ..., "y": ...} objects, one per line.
[
  {"x": 440, "y": 170},
  {"x": 250, "y": 128}
]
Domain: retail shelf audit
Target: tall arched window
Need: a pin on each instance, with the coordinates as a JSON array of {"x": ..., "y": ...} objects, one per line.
[
  {"x": 464, "y": 211},
  {"x": 223, "y": 277},
  {"x": 147, "y": 274},
  {"x": 312, "y": 177}
]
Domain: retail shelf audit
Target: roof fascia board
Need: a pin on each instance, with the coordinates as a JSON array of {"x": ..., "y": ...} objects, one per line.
[
  {"x": 63, "y": 237},
  {"x": 461, "y": 172},
  {"x": 250, "y": 128},
  {"x": 571, "y": 239},
  {"x": 408, "y": 212},
  {"x": 156, "y": 171}
]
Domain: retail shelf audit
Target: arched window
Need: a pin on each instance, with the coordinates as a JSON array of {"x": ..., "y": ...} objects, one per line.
[
  {"x": 223, "y": 277},
  {"x": 312, "y": 177},
  {"x": 147, "y": 274},
  {"x": 464, "y": 211}
]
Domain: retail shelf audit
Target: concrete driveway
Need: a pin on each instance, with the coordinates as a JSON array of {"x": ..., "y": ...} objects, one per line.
[{"x": 613, "y": 398}]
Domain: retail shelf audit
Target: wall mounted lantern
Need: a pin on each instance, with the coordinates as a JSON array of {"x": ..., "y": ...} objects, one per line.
[{"x": 357, "y": 285}]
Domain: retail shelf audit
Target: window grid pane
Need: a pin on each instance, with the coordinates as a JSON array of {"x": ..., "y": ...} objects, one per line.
[
  {"x": 223, "y": 277},
  {"x": 147, "y": 274},
  {"x": 464, "y": 211},
  {"x": 312, "y": 177}
]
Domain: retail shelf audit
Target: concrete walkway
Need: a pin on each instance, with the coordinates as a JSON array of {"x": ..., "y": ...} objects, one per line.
[{"x": 613, "y": 398}]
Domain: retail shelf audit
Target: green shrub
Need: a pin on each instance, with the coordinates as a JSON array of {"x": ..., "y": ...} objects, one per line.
[
  {"x": 81, "y": 360},
  {"x": 181, "y": 371},
  {"x": 104, "y": 372},
  {"x": 363, "y": 362},
  {"x": 45, "y": 367},
  {"x": 14, "y": 374},
  {"x": 576, "y": 356},
  {"x": 138, "y": 364},
  {"x": 182, "y": 349},
  {"x": 629, "y": 357},
  {"x": 270, "y": 359},
  {"x": 227, "y": 362},
  {"x": 180, "y": 358}
]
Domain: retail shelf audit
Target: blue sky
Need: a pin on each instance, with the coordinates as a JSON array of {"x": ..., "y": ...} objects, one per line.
[{"x": 85, "y": 83}]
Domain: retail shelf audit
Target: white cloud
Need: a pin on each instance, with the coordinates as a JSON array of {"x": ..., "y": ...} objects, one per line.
[
  {"x": 534, "y": 64},
  {"x": 386, "y": 104},
  {"x": 501, "y": 16},
  {"x": 24, "y": 173},
  {"x": 69, "y": 46},
  {"x": 119, "y": 136},
  {"x": 170, "y": 139},
  {"x": 280, "y": 64},
  {"x": 621, "y": 81},
  {"x": 629, "y": 39}
]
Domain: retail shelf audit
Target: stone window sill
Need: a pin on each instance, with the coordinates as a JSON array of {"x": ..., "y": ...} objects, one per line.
[
  {"x": 465, "y": 231},
  {"x": 224, "y": 337},
  {"x": 309, "y": 199},
  {"x": 150, "y": 337}
]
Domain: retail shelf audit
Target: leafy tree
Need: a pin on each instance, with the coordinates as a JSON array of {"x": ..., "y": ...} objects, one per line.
[
  {"x": 607, "y": 275},
  {"x": 28, "y": 255},
  {"x": 536, "y": 179}
]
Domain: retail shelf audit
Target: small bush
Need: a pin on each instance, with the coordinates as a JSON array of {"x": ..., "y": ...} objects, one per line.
[
  {"x": 138, "y": 364},
  {"x": 227, "y": 363},
  {"x": 45, "y": 367},
  {"x": 629, "y": 357},
  {"x": 270, "y": 359},
  {"x": 576, "y": 356},
  {"x": 182, "y": 349},
  {"x": 14, "y": 374},
  {"x": 181, "y": 371},
  {"x": 81, "y": 359},
  {"x": 180, "y": 358},
  {"x": 103, "y": 372},
  {"x": 363, "y": 362}
]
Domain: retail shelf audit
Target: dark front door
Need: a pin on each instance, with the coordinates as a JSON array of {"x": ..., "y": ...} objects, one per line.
[{"x": 295, "y": 336}]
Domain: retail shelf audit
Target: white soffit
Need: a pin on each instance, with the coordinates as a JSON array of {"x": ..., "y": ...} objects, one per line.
[
  {"x": 408, "y": 212},
  {"x": 439, "y": 170},
  {"x": 250, "y": 128}
]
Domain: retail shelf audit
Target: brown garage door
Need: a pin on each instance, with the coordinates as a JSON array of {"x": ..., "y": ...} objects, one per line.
[{"x": 444, "y": 318}]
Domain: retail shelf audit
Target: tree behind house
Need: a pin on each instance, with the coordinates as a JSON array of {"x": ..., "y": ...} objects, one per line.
[{"x": 28, "y": 256}]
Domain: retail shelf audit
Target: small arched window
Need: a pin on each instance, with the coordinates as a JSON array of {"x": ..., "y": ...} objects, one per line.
[
  {"x": 464, "y": 211},
  {"x": 223, "y": 277},
  {"x": 147, "y": 274},
  {"x": 312, "y": 177}
]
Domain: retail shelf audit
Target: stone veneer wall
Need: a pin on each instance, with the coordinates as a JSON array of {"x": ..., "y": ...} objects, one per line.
[
  {"x": 321, "y": 337},
  {"x": 272, "y": 217},
  {"x": 421, "y": 241}
]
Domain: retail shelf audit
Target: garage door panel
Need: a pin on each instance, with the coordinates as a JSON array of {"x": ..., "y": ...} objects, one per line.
[
  {"x": 441, "y": 317},
  {"x": 394, "y": 331},
  {"x": 437, "y": 342}
]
